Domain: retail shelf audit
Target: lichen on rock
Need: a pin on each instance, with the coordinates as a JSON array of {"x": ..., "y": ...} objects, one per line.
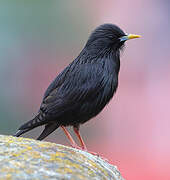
[{"x": 23, "y": 158}]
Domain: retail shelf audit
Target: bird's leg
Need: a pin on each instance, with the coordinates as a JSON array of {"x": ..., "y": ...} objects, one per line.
[
  {"x": 77, "y": 132},
  {"x": 83, "y": 146},
  {"x": 72, "y": 142}
]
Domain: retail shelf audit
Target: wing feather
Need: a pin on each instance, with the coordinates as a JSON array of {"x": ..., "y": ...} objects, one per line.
[{"x": 80, "y": 84}]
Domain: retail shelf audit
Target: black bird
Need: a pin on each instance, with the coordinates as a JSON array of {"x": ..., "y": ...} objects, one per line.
[{"x": 84, "y": 87}]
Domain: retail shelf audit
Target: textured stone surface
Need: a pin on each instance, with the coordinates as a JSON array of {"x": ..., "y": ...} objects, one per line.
[{"x": 22, "y": 158}]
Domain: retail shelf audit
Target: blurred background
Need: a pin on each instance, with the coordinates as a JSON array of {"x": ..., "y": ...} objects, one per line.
[{"x": 39, "y": 38}]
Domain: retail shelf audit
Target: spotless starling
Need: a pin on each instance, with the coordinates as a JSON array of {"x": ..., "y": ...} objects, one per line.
[{"x": 84, "y": 87}]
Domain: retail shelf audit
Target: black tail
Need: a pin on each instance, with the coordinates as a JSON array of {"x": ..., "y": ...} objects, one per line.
[
  {"x": 49, "y": 128},
  {"x": 20, "y": 132},
  {"x": 37, "y": 121}
]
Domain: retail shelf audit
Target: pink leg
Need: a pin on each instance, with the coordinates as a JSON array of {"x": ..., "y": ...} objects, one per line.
[
  {"x": 83, "y": 146},
  {"x": 72, "y": 142}
]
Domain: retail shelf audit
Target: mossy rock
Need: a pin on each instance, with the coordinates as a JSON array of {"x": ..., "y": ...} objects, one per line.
[{"x": 23, "y": 158}]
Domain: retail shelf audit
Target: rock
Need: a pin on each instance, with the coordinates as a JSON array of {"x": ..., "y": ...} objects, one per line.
[{"x": 23, "y": 158}]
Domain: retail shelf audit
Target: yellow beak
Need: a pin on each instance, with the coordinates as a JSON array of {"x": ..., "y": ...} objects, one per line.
[
  {"x": 129, "y": 36},
  {"x": 132, "y": 36}
]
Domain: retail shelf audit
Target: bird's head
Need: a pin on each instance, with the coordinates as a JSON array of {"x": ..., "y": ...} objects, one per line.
[{"x": 107, "y": 38}]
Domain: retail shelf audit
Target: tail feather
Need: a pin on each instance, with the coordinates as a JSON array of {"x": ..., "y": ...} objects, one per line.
[
  {"x": 35, "y": 122},
  {"x": 20, "y": 132},
  {"x": 49, "y": 128}
]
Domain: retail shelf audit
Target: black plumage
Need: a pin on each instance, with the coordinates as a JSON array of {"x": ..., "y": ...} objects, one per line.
[{"x": 85, "y": 86}]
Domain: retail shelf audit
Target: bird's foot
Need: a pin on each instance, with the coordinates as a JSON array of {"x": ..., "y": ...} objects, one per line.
[
  {"x": 93, "y": 153},
  {"x": 96, "y": 154},
  {"x": 85, "y": 149},
  {"x": 76, "y": 146}
]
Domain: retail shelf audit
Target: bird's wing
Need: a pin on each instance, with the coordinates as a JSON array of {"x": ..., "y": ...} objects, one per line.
[
  {"x": 57, "y": 82},
  {"x": 81, "y": 83}
]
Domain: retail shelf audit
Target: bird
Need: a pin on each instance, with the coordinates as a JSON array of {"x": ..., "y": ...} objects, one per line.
[{"x": 84, "y": 87}]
